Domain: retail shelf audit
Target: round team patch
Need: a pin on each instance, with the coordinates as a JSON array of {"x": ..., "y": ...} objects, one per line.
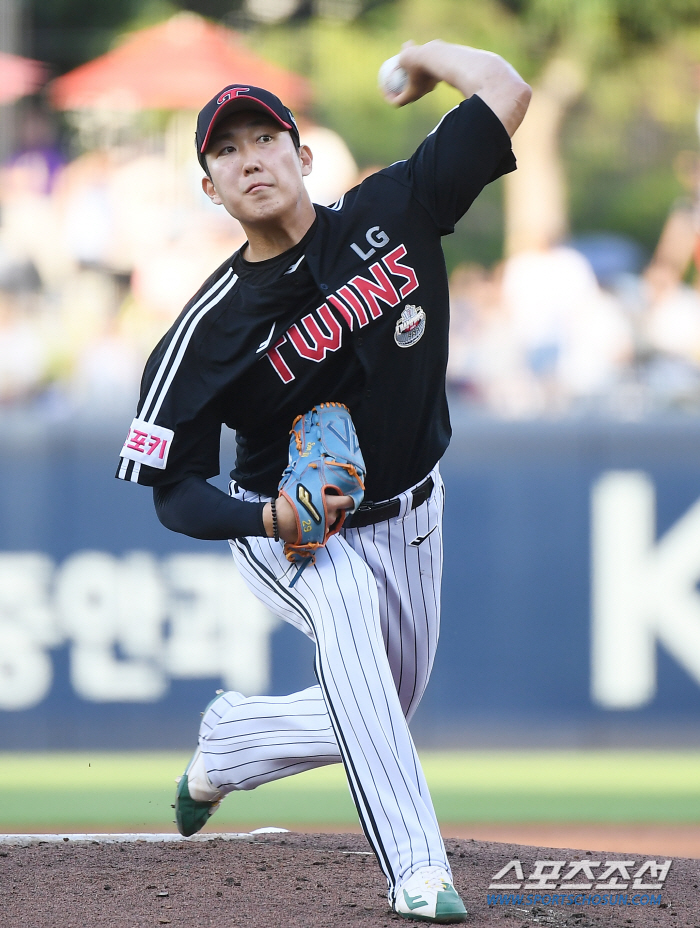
[{"x": 410, "y": 326}]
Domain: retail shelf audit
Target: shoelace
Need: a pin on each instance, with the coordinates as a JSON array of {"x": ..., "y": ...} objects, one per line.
[{"x": 435, "y": 878}]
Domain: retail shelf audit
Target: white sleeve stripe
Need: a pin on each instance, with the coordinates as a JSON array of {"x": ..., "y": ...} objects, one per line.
[
  {"x": 122, "y": 469},
  {"x": 183, "y": 346},
  {"x": 173, "y": 342},
  {"x": 135, "y": 472}
]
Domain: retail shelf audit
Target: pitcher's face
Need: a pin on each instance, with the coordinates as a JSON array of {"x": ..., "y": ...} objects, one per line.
[{"x": 256, "y": 171}]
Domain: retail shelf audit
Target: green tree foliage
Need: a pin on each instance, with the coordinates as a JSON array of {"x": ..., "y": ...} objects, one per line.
[
  {"x": 637, "y": 60},
  {"x": 600, "y": 26},
  {"x": 629, "y": 142},
  {"x": 65, "y": 33}
]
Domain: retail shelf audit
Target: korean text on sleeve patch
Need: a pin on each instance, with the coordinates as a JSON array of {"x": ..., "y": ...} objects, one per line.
[{"x": 148, "y": 444}]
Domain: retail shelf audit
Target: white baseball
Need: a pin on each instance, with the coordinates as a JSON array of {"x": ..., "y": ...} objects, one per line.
[{"x": 393, "y": 79}]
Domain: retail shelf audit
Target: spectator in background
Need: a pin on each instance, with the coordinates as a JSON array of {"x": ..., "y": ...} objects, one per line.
[
  {"x": 536, "y": 337},
  {"x": 575, "y": 339},
  {"x": 23, "y": 356},
  {"x": 670, "y": 323},
  {"x": 88, "y": 211},
  {"x": 38, "y": 151},
  {"x": 485, "y": 369},
  {"x": 671, "y": 338},
  {"x": 30, "y": 232},
  {"x": 672, "y": 319},
  {"x": 105, "y": 379}
]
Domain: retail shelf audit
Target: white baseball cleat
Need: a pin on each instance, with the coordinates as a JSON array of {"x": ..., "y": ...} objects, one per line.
[
  {"x": 429, "y": 896},
  {"x": 199, "y": 784}
]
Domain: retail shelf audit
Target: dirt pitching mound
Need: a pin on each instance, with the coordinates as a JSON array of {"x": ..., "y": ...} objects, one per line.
[{"x": 292, "y": 881}]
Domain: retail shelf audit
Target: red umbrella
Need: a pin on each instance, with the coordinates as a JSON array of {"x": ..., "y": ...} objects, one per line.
[
  {"x": 178, "y": 64},
  {"x": 19, "y": 76}
]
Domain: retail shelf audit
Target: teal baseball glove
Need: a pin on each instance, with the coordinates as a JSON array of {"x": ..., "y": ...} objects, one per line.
[{"x": 324, "y": 457}]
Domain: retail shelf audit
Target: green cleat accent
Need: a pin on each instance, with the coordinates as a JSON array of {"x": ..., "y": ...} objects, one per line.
[
  {"x": 414, "y": 902},
  {"x": 429, "y": 896},
  {"x": 450, "y": 908},
  {"x": 191, "y": 816}
]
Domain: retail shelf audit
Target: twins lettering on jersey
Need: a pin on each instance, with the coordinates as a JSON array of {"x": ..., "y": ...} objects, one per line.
[{"x": 357, "y": 303}]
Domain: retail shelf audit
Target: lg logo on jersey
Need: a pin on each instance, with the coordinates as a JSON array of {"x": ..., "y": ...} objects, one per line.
[{"x": 375, "y": 237}]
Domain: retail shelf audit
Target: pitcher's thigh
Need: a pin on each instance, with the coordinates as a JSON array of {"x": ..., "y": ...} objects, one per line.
[
  {"x": 405, "y": 557},
  {"x": 267, "y": 573}
]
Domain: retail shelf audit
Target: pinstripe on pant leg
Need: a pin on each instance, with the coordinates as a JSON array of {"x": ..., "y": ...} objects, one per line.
[
  {"x": 244, "y": 747},
  {"x": 408, "y": 585},
  {"x": 408, "y": 581},
  {"x": 254, "y": 740}
]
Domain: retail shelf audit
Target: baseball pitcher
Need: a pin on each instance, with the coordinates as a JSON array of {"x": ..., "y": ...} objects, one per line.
[{"x": 323, "y": 343}]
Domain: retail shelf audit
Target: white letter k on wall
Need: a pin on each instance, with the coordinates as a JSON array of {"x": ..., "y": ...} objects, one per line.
[{"x": 643, "y": 591}]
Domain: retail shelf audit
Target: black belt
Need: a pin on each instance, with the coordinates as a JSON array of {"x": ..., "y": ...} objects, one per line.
[{"x": 370, "y": 513}]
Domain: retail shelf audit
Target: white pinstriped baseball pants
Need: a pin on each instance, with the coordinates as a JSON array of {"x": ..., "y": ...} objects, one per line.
[{"x": 371, "y": 604}]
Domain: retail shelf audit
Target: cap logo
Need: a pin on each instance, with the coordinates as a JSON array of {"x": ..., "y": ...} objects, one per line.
[{"x": 232, "y": 94}]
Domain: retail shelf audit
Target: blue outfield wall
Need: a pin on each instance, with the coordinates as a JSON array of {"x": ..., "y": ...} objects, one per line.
[{"x": 114, "y": 632}]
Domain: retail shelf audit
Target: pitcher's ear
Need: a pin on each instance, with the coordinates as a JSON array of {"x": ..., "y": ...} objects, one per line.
[
  {"x": 307, "y": 160},
  {"x": 210, "y": 190}
]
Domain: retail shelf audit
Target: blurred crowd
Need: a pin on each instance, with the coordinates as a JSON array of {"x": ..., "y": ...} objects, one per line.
[
  {"x": 581, "y": 328},
  {"x": 98, "y": 254}
]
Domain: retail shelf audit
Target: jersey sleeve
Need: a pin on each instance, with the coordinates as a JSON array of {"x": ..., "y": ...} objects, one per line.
[
  {"x": 177, "y": 429},
  {"x": 172, "y": 447},
  {"x": 468, "y": 149},
  {"x": 196, "y": 508}
]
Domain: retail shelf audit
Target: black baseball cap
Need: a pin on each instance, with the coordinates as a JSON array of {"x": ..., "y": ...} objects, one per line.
[{"x": 240, "y": 97}]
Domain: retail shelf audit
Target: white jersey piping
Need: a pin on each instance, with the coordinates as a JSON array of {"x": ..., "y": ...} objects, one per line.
[
  {"x": 145, "y": 416},
  {"x": 183, "y": 347}
]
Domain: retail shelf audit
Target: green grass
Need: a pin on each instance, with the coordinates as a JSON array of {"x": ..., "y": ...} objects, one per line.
[{"x": 94, "y": 789}]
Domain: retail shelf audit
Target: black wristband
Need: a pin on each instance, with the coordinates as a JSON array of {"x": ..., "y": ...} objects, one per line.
[{"x": 275, "y": 526}]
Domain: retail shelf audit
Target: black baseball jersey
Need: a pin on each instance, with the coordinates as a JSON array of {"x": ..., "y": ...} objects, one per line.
[{"x": 357, "y": 313}]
